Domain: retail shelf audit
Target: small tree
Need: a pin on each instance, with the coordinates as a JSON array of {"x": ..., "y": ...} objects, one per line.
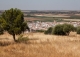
[{"x": 13, "y": 21}]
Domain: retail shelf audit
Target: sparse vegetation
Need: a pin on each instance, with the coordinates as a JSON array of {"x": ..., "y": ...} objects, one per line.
[{"x": 22, "y": 39}]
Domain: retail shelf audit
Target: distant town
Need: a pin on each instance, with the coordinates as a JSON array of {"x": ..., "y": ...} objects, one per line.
[{"x": 45, "y": 25}]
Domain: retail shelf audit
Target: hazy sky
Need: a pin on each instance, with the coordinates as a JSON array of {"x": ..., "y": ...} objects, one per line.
[{"x": 40, "y": 4}]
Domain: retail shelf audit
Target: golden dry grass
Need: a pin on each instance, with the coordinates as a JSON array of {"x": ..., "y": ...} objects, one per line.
[{"x": 44, "y": 46}]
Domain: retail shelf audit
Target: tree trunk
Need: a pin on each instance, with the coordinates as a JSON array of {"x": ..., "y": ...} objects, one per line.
[{"x": 14, "y": 37}]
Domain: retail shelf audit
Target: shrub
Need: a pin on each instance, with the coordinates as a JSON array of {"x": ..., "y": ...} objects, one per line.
[
  {"x": 64, "y": 29},
  {"x": 67, "y": 28},
  {"x": 49, "y": 31},
  {"x": 78, "y": 30},
  {"x": 58, "y": 30},
  {"x": 22, "y": 39}
]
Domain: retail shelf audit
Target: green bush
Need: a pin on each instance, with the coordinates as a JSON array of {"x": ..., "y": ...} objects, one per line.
[
  {"x": 78, "y": 30},
  {"x": 49, "y": 31},
  {"x": 67, "y": 28},
  {"x": 63, "y": 29},
  {"x": 58, "y": 30},
  {"x": 22, "y": 39}
]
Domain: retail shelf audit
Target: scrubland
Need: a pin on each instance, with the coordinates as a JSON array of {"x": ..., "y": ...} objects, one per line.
[{"x": 41, "y": 45}]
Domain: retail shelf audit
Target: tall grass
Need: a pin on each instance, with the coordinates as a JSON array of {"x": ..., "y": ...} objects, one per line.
[{"x": 45, "y": 46}]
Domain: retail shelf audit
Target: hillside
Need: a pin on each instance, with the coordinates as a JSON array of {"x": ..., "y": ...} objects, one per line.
[{"x": 43, "y": 46}]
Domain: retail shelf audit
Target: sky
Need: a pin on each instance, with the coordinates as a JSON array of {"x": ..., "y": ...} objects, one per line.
[{"x": 40, "y": 4}]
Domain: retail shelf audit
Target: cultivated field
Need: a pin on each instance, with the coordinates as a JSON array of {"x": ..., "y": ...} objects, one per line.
[
  {"x": 42, "y": 45},
  {"x": 71, "y": 19},
  {"x": 52, "y": 17},
  {"x": 31, "y": 19}
]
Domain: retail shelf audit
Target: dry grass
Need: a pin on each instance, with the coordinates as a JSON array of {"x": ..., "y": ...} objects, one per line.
[{"x": 44, "y": 46}]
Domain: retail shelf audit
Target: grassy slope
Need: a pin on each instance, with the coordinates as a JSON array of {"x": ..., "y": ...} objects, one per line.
[{"x": 44, "y": 46}]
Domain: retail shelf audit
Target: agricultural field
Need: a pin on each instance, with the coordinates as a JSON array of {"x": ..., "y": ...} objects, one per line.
[
  {"x": 52, "y": 17},
  {"x": 41, "y": 45}
]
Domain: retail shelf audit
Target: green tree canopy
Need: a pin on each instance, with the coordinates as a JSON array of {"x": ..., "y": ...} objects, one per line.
[{"x": 13, "y": 21}]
